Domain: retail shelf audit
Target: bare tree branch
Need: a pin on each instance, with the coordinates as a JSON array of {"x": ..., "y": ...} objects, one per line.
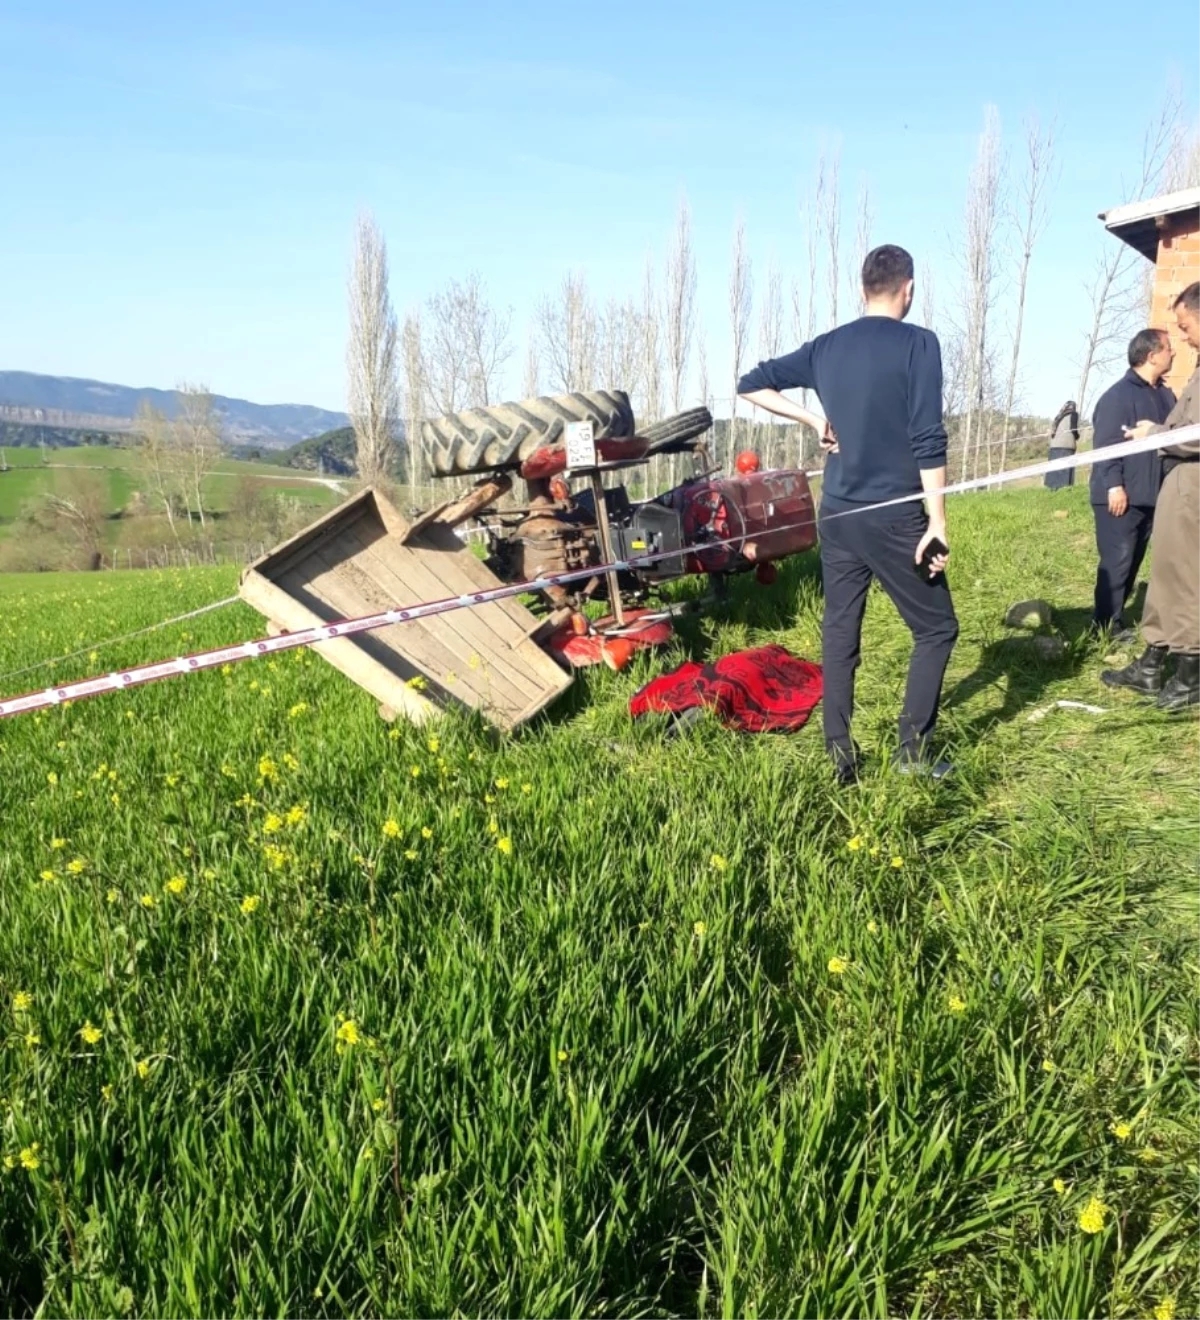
[
  {"x": 741, "y": 300},
  {"x": 1029, "y": 216},
  {"x": 681, "y": 295},
  {"x": 831, "y": 223},
  {"x": 978, "y": 291},
  {"x": 567, "y": 333},
  {"x": 1114, "y": 290},
  {"x": 373, "y": 389}
]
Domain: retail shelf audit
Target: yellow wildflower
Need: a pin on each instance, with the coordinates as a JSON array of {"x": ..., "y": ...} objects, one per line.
[
  {"x": 411, "y": 854},
  {"x": 699, "y": 928},
  {"x": 250, "y": 903},
  {"x": 505, "y": 845},
  {"x": 391, "y": 829},
  {"x": 897, "y": 863},
  {"x": 415, "y": 771},
  {"x": 115, "y": 799},
  {"x": 143, "y": 1068},
  {"x": 176, "y": 885},
  {"x": 956, "y": 1004},
  {"x": 112, "y": 896},
  {"x": 147, "y": 900},
  {"x": 76, "y": 866},
  {"x": 394, "y": 735},
  {"x": 296, "y": 815},
  {"x": 272, "y": 824},
  {"x": 718, "y": 863},
  {"x": 1165, "y": 1310},
  {"x": 32, "y": 1040},
  {"x": 58, "y": 843},
  {"x": 1121, "y": 1130},
  {"x": 377, "y": 1106},
  {"x": 29, "y": 1157},
  {"x": 854, "y": 844},
  {"x": 1060, "y": 1187},
  {"x": 426, "y": 832},
  {"x": 838, "y": 966},
  {"x": 244, "y": 801},
  {"x": 502, "y": 784},
  {"x": 297, "y": 710},
  {"x": 433, "y": 744},
  {"x": 417, "y": 683},
  {"x": 267, "y": 769},
  {"x": 348, "y": 1034},
  {"x": 106, "y": 1092},
  {"x": 1092, "y": 1217},
  {"x": 564, "y": 1056},
  {"x": 1147, "y": 1155},
  {"x": 48, "y": 876},
  {"x": 526, "y": 788},
  {"x": 89, "y": 1034},
  {"x": 22, "y": 1000},
  {"x": 52, "y": 778},
  {"x": 226, "y": 670},
  {"x": 291, "y": 761},
  {"x": 488, "y": 799},
  {"x": 493, "y": 827},
  {"x": 172, "y": 780},
  {"x": 872, "y": 928}
]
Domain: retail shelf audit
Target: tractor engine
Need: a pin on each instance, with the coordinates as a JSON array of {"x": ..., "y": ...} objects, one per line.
[{"x": 718, "y": 525}]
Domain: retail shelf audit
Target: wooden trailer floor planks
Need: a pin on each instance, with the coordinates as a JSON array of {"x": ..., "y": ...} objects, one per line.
[{"x": 356, "y": 560}]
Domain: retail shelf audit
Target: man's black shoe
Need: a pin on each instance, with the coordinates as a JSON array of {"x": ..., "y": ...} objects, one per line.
[
  {"x": 847, "y": 765},
  {"x": 1182, "y": 689},
  {"x": 1145, "y": 674}
]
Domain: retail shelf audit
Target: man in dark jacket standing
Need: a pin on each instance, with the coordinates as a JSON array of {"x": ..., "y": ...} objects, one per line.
[
  {"x": 1124, "y": 491},
  {"x": 880, "y": 383}
]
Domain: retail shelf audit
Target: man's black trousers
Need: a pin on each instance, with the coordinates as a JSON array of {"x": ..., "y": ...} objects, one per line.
[
  {"x": 881, "y": 544},
  {"x": 1122, "y": 545}
]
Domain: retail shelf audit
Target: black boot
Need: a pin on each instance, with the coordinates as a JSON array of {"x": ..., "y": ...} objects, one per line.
[
  {"x": 1182, "y": 689},
  {"x": 1145, "y": 674}
]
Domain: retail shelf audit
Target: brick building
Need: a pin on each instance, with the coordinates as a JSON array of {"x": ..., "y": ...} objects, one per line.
[{"x": 1165, "y": 230}]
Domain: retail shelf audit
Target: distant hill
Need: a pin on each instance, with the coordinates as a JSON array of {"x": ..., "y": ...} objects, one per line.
[
  {"x": 331, "y": 452},
  {"x": 28, "y": 398}
]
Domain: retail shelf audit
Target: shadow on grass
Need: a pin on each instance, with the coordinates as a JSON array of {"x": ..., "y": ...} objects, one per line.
[{"x": 1014, "y": 663}]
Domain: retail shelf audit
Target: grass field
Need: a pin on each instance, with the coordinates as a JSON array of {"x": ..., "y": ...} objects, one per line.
[
  {"x": 29, "y": 481},
  {"x": 305, "y": 1015}
]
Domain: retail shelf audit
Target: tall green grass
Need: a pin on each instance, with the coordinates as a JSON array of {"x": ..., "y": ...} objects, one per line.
[{"x": 398, "y": 1021}]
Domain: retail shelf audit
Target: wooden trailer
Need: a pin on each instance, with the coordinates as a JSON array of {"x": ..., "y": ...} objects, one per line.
[{"x": 363, "y": 557}]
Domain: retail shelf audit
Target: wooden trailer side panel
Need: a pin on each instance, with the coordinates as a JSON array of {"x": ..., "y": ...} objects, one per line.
[{"x": 354, "y": 561}]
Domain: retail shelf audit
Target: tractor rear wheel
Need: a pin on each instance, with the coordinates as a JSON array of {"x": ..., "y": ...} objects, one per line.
[{"x": 503, "y": 435}]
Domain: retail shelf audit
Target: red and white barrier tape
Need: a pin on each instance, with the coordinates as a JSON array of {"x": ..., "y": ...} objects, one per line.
[{"x": 122, "y": 679}]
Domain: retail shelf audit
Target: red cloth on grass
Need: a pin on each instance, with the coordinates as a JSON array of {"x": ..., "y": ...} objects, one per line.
[{"x": 764, "y": 690}]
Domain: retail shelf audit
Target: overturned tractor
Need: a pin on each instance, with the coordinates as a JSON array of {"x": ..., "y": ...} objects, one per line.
[
  {"x": 492, "y": 652},
  {"x": 719, "y": 524}
]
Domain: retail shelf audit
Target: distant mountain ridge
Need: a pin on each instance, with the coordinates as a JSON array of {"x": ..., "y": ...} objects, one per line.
[{"x": 32, "y": 398}]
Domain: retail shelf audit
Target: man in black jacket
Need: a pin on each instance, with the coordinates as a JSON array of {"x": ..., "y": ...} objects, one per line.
[
  {"x": 880, "y": 383},
  {"x": 1125, "y": 490}
]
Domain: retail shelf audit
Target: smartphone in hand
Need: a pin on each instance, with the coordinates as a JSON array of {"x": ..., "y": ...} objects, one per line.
[{"x": 924, "y": 564}]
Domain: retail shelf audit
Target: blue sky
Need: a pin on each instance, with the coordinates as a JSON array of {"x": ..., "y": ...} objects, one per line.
[{"x": 180, "y": 181}]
